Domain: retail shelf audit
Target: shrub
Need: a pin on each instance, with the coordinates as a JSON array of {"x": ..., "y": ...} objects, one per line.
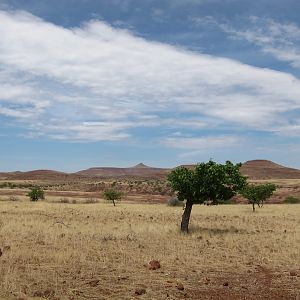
[
  {"x": 35, "y": 194},
  {"x": 291, "y": 200},
  {"x": 112, "y": 195},
  {"x": 64, "y": 200},
  {"x": 174, "y": 202},
  {"x": 91, "y": 201},
  {"x": 13, "y": 198}
]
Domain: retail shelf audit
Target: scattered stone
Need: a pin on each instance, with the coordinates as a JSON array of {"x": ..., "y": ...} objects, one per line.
[
  {"x": 225, "y": 284},
  {"x": 44, "y": 294},
  {"x": 123, "y": 277},
  {"x": 1, "y": 253},
  {"x": 180, "y": 286},
  {"x": 140, "y": 291},
  {"x": 154, "y": 265},
  {"x": 293, "y": 273},
  {"x": 93, "y": 283}
]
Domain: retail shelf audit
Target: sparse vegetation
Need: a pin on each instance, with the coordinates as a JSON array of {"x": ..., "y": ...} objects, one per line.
[
  {"x": 291, "y": 200},
  {"x": 35, "y": 194},
  {"x": 112, "y": 195},
  {"x": 99, "y": 252},
  {"x": 257, "y": 194},
  {"x": 174, "y": 202}
]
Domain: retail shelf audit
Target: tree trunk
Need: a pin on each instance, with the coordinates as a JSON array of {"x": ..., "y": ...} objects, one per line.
[
  {"x": 186, "y": 217},
  {"x": 253, "y": 207},
  {"x": 113, "y": 200}
]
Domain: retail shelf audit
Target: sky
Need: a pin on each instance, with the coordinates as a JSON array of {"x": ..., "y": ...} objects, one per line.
[{"x": 86, "y": 83}]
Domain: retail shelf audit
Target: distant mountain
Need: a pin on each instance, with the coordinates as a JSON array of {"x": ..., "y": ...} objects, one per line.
[
  {"x": 254, "y": 169},
  {"x": 138, "y": 171},
  {"x": 37, "y": 175},
  {"x": 266, "y": 169},
  {"x": 141, "y": 166}
]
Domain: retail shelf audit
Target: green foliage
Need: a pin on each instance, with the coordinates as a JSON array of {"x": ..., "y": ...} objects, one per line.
[
  {"x": 208, "y": 181},
  {"x": 112, "y": 195},
  {"x": 257, "y": 194},
  {"x": 35, "y": 194},
  {"x": 291, "y": 200},
  {"x": 174, "y": 202}
]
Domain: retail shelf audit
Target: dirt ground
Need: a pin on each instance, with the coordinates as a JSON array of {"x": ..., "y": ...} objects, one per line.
[{"x": 97, "y": 251}]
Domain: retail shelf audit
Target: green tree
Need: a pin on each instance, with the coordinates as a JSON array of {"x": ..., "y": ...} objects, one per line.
[
  {"x": 207, "y": 182},
  {"x": 257, "y": 194},
  {"x": 112, "y": 195},
  {"x": 35, "y": 194}
]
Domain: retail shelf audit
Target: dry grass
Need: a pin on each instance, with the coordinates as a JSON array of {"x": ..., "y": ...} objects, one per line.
[{"x": 97, "y": 251}]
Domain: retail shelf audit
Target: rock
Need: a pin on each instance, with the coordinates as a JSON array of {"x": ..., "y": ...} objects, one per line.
[
  {"x": 1, "y": 253},
  {"x": 180, "y": 286},
  {"x": 293, "y": 273},
  {"x": 225, "y": 284},
  {"x": 140, "y": 291},
  {"x": 154, "y": 265},
  {"x": 93, "y": 283}
]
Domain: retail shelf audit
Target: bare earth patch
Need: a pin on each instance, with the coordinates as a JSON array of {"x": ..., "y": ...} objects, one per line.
[{"x": 97, "y": 251}]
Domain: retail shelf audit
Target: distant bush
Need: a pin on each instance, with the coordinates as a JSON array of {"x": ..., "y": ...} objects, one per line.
[
  {"x": 91, "y": 201},
  {"x": 64, "y": 200},
  {"x": 230, "y": 201},
  {"x": 291, "y": 200},
  {"x": 13, "y": 198},
  {"x": 174, "y": 202},
  {"x": 112, "y": 195},
  {"x": 35, "y": 194}
]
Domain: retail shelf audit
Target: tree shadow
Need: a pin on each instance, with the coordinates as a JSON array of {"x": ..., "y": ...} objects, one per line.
[{"x": 217, "y": 231}]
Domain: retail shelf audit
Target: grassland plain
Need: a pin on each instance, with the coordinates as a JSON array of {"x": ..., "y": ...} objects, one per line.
[{"x": 97, "y": 251}]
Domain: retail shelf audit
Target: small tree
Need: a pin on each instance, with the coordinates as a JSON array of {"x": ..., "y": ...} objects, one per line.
[
  {"x": 112, "y": 195},
  {"x": 257, "y": 194},
  {"x": 35, "y": 194},
  {"x": 207, "y": 182}
]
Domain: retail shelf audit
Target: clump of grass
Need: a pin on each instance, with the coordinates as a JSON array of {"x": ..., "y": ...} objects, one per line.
[
  {"x": 174, "y": 202},
  {"x": 91, "y": 201},
  {"x": 64, "y": 200},
  {"x": 291, "y": 200}
]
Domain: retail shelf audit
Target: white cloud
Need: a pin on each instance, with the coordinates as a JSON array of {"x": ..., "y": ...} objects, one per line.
[
  {"x": 96, "y": 82},
  {"x": 203, "y": 143},
  {"x": 281, "y": 40}
]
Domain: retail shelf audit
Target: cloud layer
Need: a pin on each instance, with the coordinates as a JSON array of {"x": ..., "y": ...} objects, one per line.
[{"x": 96, "y": 82}]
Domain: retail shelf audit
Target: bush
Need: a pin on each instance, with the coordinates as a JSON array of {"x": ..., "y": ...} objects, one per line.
[
  {"x": 112, "y": 195},
  {"x": 35, "y": 194},
  {"x": 64, "y": 200},
  {"x": 91, "y": 201},
  {"x": 174, "y": 202},
  {"x": 13, "y": 198},
  {"x": 230, "y": 201},
  {"x": 291, "y": 200}
]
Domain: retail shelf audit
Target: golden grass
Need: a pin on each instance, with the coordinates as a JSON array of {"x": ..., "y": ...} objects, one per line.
[{"x": 97, "y": 251}]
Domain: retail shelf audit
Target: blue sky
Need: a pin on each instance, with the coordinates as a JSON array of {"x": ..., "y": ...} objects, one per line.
[{"x": 112, "y": 83}]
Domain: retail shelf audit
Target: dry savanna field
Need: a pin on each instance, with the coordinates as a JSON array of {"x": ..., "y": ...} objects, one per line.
[{"x": 96, "y": 251}]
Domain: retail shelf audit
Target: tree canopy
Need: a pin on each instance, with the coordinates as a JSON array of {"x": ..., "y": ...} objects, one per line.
[
  {"x": 207, "y": 181},
  {"x": 257, "y": 194},
  {"x": 112, "y": 195}
]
